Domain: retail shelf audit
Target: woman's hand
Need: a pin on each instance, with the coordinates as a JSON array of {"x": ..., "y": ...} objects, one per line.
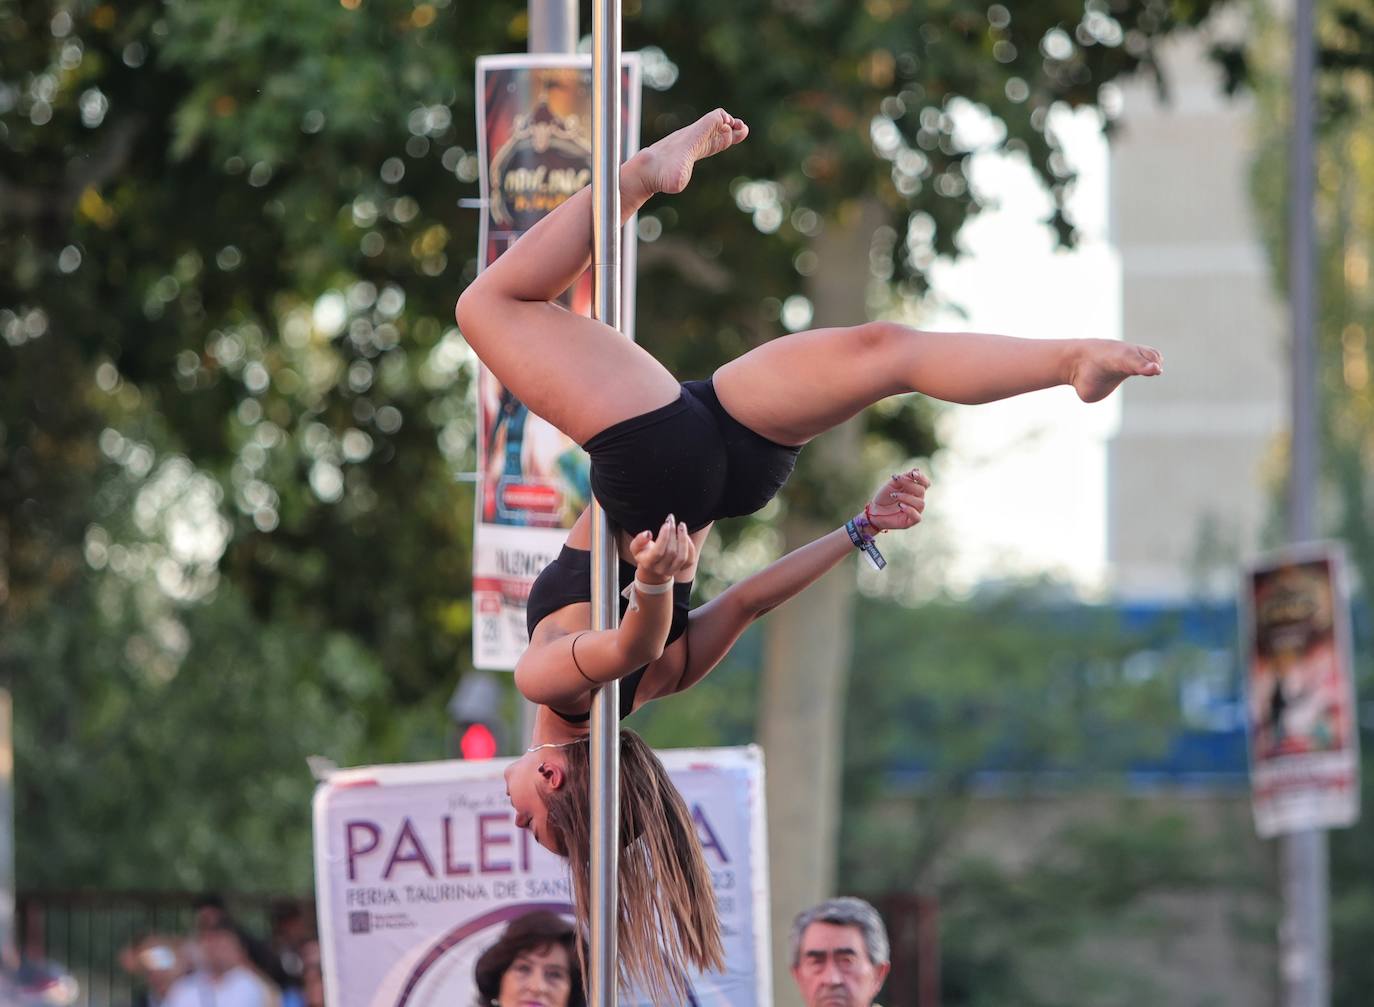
[
  {"x": 899, "y": 502},
  {"x": 661, "y": 558}
]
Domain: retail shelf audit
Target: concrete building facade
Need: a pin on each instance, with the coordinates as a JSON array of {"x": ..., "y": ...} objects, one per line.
[{"x": 1190, "y": 474}]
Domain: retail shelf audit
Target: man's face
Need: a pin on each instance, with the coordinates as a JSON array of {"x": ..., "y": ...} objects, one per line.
[{"x": 833, "y": 968}]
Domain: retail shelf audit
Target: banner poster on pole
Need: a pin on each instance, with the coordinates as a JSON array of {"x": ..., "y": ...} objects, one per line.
[
  {"x": 534, "y": 144},
  {"x": 1300, "y": 699},
  {"x": 419, "y": 868}
]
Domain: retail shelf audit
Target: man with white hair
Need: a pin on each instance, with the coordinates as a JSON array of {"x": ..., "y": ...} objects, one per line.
[{"x": 840, "y": 955}]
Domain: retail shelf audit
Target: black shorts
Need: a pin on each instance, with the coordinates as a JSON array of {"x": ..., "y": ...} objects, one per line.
[{"x": 690, "y": 459}]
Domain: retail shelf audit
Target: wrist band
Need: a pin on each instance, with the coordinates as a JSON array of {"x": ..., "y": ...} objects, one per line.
[
  {"x": 637, "y": 587},
  {"x": 864, "y": 544}
]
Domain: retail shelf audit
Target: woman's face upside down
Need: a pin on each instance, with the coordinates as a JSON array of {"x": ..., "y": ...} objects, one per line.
[{"x": 529, "y": 781}]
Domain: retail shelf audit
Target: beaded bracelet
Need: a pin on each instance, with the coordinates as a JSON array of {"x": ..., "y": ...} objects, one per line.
[{"x": 863, "y": 542}]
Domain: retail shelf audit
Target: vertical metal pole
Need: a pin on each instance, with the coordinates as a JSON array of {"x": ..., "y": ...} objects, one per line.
[
  {"x": 553, "y": 25},
  {"x": 1302, "y": 522},
  {"x": 605, "y": 742},
  {"x": 1304, "y": 937},
  {"x": 553, "y": 28}
]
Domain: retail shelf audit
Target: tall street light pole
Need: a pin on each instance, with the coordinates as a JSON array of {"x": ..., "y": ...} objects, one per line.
[{"x": 1304, "y": 937}]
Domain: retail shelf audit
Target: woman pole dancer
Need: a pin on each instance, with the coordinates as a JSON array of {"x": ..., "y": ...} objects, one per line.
[{"x": 668, "y": 459}]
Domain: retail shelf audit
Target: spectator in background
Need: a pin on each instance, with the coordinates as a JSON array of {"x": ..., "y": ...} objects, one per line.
[
  {"x": 533, "y": 962},
  {"x": 291, "y": 931},
  {"x": 312, "y": 975},
  {"x": 225, "y": 976},
  {"x": 209, "y": 912},
  {"x": 840, "y": 955},
  {"x": 157, "y": 963}
]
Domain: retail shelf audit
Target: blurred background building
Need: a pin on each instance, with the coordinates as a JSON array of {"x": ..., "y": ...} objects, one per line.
[{"x": 1188, "y": 489}]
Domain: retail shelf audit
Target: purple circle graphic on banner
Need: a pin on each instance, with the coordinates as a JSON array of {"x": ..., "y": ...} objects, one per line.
[{"x": 463, "y": 931}]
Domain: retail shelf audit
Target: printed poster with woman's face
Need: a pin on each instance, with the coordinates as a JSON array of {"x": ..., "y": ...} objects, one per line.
[
  {"x": 1304, "y": 743},
  {"x": 420, "y": 868},
  {"x": 535, "y": 150}
]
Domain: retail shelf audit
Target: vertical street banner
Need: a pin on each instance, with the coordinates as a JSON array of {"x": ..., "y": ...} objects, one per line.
[
  {"x": 535, "y": 149},
  {"x": 419, "y": 869},
  {"x": 1300, "y": 697}
]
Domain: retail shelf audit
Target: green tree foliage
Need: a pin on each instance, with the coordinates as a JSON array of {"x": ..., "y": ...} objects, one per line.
[
  {"x": 1056, "y": 931},
  {"x": 178, "y": 760},
  {"x": 1034, "y": 704},
  {"x": 230, "y": 249}
]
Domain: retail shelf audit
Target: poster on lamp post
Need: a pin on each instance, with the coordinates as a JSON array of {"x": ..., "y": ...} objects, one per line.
[
  {"x": 1300, "y": 697},
  {"x": 419, "y": 868},
  {"x": 534, "y": 138}
]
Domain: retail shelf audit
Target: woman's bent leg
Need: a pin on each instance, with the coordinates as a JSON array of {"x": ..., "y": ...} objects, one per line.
[
  {"x": 580, "y": 375},
  {"x": 796, "y": 387}
]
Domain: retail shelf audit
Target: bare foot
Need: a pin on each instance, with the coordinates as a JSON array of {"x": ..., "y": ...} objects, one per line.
[
  {"x": 1104, "y": 363},
  {"x": 666, "y": 166}
]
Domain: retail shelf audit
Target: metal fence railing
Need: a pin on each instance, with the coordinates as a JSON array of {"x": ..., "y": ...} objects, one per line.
[{"x": 84, "y": 932}]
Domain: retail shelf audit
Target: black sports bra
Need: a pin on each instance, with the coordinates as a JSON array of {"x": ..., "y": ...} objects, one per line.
[{"x": 568, "y": 581}]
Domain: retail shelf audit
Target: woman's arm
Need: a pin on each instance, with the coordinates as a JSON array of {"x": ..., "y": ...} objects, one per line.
[
  {"x": 715, "y": 626},
  {"x": 561, "y": 670}
]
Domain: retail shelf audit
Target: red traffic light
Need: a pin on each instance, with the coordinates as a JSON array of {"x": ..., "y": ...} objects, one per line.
[{"x": 478, "y": 742}]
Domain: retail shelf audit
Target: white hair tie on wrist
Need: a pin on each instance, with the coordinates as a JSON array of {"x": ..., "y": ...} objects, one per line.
[{"x": 638, "y": 587}]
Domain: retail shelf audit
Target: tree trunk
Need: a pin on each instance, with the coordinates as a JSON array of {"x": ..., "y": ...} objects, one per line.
[{"x": 809, "y": 641}]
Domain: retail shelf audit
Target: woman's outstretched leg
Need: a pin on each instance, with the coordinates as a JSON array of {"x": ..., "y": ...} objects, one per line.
[
  {"x": 575, "y": 372},
  {"x": 794, "y": 388}
]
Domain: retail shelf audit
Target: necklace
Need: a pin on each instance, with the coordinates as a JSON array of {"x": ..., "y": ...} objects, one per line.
[{"x": 554, "y": 744}]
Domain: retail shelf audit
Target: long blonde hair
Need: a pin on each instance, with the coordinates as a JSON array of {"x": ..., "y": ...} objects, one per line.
[{"x": 667, "y": 922}]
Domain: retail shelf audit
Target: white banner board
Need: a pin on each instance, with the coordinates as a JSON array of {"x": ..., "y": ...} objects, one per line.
[
  {"x": 418, "y": 869},
  {"x": 1300, "y": 697}
]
